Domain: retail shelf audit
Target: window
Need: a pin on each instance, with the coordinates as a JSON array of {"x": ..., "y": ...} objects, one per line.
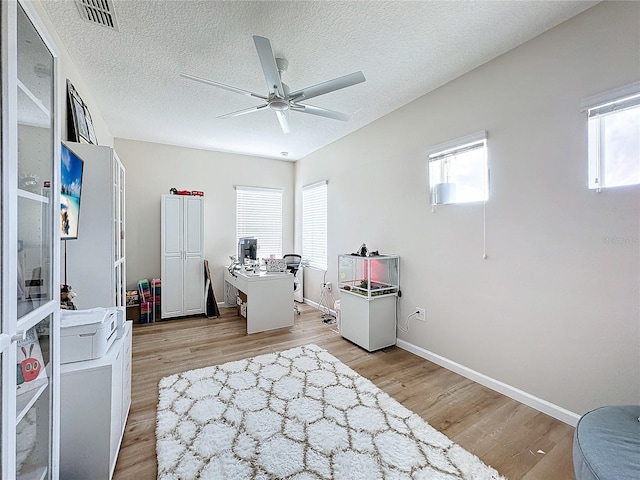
[
  {"x": 614, "y": 138},
  {"x": 458, "y": 170},
  {"x": 314, "y": 225},
  {"x": 259, "y": 214}
]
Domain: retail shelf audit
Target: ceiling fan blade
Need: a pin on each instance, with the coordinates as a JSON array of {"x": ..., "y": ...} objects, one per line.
[
  {"x": 269, "y": 67},
  {"x": 328, "y": 86},
  {"x": 322, "y": 112},
  {"x": 222, "y": 85},
  {"x": 283, "y": 118},
  {"x": 243, "y": 111}
]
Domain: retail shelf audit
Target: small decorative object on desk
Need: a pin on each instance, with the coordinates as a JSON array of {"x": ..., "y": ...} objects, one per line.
[
  {"x": 275, "y": 265},
  {"x": 66, "y": 298}
]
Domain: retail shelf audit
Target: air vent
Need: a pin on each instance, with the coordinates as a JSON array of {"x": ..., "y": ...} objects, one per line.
[{"x": 100, "y": 12}]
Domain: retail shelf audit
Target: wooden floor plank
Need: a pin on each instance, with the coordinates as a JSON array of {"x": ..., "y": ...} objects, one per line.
[{"x": 504, "y": 433}]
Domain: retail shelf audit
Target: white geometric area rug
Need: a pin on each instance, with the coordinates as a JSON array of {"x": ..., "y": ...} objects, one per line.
[{"x": 299, "y": 414}]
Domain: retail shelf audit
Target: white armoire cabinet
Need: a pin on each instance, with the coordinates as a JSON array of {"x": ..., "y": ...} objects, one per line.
[
  {"x": 29, "y": 261},
  {"x": 95, "y": 262},
  {"x": 182, "y": 248}
]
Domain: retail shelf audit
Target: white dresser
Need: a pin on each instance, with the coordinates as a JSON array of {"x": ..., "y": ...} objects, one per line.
[{"x": 95, "y": 396}]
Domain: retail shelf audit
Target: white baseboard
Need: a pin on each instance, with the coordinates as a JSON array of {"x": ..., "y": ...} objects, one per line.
[
  {"x": 532, "y": 401},
  {"x": 322, "y": 308}
]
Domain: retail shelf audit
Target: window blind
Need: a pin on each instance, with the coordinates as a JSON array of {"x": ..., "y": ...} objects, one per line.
[
  {"x": 259, "y": 214},
  {"x": 611, "y": 96},
  {"x": 615, "y": 106},
  {"x": 314, "y": 225},
  {"x": 457, "y": 144},
  {"x": 457, "y": 151}
]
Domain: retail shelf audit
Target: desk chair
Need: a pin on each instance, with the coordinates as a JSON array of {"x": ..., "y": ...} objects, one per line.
[{"x": 293, "y": 265}]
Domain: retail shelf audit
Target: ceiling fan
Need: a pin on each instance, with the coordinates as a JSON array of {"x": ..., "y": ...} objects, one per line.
[{"x": 279, "y": 98}]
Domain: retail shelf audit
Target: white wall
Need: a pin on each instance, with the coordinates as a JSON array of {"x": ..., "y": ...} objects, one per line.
[
  {"x": 555, "y": 308},
  {"x": 153, "y": 169}
]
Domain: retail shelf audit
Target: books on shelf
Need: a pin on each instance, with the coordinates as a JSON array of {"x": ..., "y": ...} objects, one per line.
[
  {"x": 156, "y": 286},
  {"x": 149, "y": 294},
  {"x": 132, "y": 298},
  {"x": 146, "y": 312}
]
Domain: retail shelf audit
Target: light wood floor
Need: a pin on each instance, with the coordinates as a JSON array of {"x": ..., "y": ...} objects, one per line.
[{"x": 502, "y": 432}]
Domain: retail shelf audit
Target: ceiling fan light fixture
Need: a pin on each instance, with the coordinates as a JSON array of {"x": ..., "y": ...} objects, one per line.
[{"x": 279, "y": 104}]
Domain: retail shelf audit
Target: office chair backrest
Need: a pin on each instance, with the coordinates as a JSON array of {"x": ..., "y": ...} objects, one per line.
[{"x": 293, "y": 261}]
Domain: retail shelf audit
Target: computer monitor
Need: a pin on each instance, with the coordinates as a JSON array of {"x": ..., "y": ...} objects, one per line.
[{"x": 247, "y": 248}]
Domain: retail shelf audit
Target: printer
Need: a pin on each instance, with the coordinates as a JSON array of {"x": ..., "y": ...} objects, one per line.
[{"x": 88, "y": 334}]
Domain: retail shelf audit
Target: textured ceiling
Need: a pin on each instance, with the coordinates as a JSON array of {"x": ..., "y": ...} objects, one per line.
[{"x": 405, "y": 49}]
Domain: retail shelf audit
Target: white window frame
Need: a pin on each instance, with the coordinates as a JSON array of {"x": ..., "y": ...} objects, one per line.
[
  {"x": 599, "y": 108},
  {"x": 259, "y": 215},
  {"x": 450, "y": 149},
  {"x": 314, "y": 224}
]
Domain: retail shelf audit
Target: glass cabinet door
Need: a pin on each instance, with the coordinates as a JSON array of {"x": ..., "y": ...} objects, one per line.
[
  {"x": 118, "y": 230},
  {"x": 35, "y": 168},
  {"x": 29, "y": 300}
]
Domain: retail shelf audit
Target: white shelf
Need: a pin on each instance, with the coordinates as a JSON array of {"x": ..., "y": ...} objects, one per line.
[
  {"x": 359, "y": 292},
  {"x": 34, "y": 473},
  {"x": 26, "y": 400},
  {"x": 34, "y": 317},
  {"x": 36, "y": 101},
  {"x": 32, "y": 196}
]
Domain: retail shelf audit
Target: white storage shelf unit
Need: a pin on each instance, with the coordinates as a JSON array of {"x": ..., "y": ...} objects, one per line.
[
  {"x": 368, "y": 293},
  {"x": 95, "y": 396},
  {"x": 96, "y": 261}
]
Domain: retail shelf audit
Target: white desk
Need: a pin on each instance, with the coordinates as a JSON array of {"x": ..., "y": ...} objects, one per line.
[{"x": 269, "y": 299}]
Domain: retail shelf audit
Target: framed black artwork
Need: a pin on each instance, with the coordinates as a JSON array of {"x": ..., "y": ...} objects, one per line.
[
  {"x": 90, "y": 130},
  {"x": 79, "y": 123}
]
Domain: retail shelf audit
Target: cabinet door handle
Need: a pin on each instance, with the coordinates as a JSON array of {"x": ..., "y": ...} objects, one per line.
[
  {"x": 20, "y": 335},
  {"x": 6, "y": 340}
]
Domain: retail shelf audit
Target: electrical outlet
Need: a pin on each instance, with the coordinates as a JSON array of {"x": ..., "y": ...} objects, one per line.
[
  {"x": 328, "y": 286},
  {"x": 421, "y": 314}
]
